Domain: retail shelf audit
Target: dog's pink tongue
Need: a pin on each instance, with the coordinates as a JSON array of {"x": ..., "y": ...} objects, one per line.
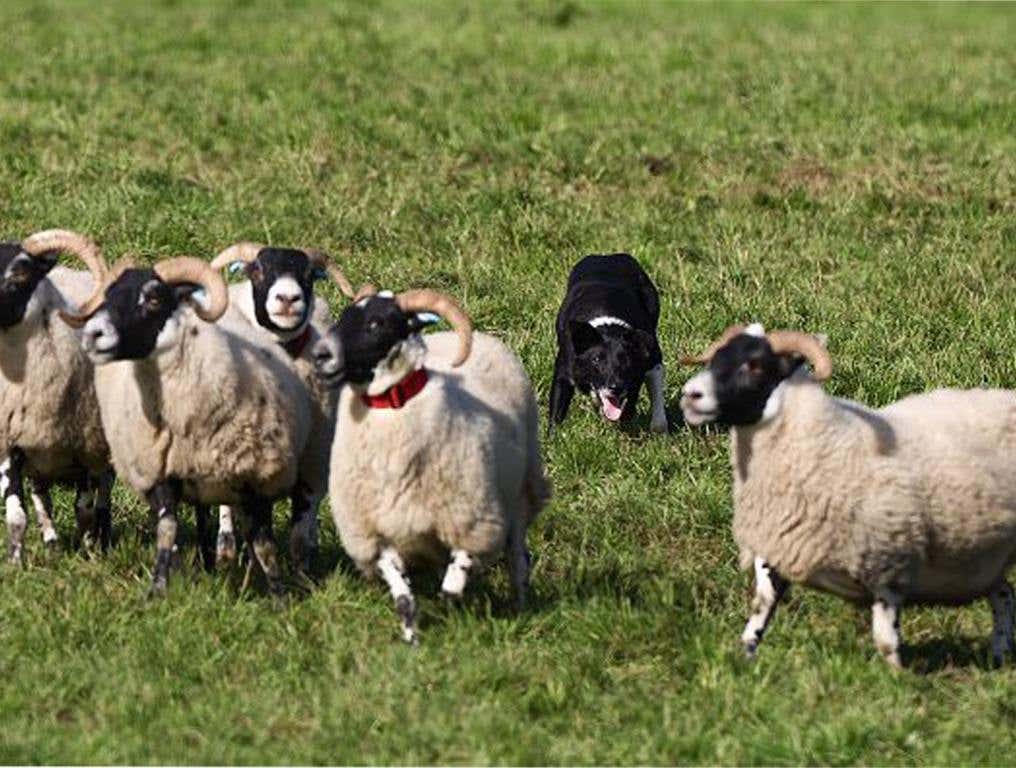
[{"x": 611, "y": 410}]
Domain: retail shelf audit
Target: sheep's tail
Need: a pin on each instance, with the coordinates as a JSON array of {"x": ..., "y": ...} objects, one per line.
[{"x": 537, "y": 487}]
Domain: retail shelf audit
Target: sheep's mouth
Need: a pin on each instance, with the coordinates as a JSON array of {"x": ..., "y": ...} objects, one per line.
[
  {"x": 695, "y": 416},
  {"x": 288, "y": 319}
]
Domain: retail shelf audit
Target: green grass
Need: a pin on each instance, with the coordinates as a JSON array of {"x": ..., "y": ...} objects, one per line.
[{"x": 837, "y": 168}]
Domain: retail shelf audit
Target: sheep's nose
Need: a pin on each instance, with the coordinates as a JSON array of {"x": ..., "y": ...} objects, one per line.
[
  {"x": 93, "y": 334},
  {"x": 288, "y": 299},
  {"x": 693, "y": 393}
]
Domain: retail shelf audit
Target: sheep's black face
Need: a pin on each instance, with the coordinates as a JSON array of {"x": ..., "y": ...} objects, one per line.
[
  {"x": 20, "y": 275},
  {"x": 282, "y": 280},
  {"x": 135, "y": 319},
  {"x": 737, "y": 385},
  {"x": 610, "y": 362},
  {"x": 367, "y": 334}
]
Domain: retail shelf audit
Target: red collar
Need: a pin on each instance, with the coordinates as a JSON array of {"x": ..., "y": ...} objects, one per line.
[
  {"x": 296, "y": 346},
  {"x": 399, "y": 394}
]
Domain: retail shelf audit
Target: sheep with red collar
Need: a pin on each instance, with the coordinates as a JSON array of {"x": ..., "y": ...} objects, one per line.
[
  {"x": 277, "y": 301},
  {"x": 50, "y": 429},
  {"x": 439, "y": 455},
  {"x": 911, "y": 503}
]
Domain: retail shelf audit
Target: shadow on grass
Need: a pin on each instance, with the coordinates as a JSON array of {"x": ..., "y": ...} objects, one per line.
[{"x": 941, "y": 655}]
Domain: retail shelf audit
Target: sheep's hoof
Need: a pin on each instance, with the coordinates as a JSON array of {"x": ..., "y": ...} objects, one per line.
[
  {"x": 659, "y": 427},
  {"x": 452, "y": 598},
  {"x": 750, "y": 648},
  {"x": 158, "y": 589},
  {"x": 225, "y": 549},
  {"x": 14, "y": 555}
]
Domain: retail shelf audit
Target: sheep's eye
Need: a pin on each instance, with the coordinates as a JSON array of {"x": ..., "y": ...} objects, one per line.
[
  {"x": 373, "y": 325},
  {"x": 754, "y": 366},
  {"x": 19, "y": 275},
  {"x": 153, "y": 303}
]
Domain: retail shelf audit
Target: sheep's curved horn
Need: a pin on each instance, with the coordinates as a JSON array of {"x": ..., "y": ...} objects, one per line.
[
  {"x": 716, "y": 346},
  {"x": 365, "y": 291},
  {"x": 245, "y": 252},
  {"x": 86, "y": 310},
  {"x": 806, "y": 345},
  {"x": 444, "y": 305},
  {"x": 63, "y": 240},
  {"x": 185, "y": 269},
  {"x": 51, "y": 240},
  {"x": 320, "y": 259}
]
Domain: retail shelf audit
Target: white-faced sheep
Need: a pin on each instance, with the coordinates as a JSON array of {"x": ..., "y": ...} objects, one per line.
[
  {"x": 193, "y": 412},
  {"x": 277, "y": 300},
  {"x": 433, "y": 461},
  {"x": 50, "y": 428},
  {"x": 911, "y": 503}
]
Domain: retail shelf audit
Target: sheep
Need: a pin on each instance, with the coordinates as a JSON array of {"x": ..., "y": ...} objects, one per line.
[
  {"x": 911, "y": 503},
  {"x": 50, "y": 428},
  {"x": 431, "y": 460},
  {"x": 278, "y": 300},
  {"x": 193, "y": 411}
]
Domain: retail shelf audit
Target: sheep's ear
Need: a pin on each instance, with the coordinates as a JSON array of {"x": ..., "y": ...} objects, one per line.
[
  {"x": 188, "y": 293},
  {"x": 583, "y": 336},
  {"x": 420, "y": 320}
]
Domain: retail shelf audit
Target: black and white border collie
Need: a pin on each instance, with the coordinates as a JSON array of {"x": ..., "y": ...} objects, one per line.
[{"x": 606, "y": 340}]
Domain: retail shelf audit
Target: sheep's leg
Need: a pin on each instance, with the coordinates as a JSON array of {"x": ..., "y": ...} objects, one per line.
[
  {"x": 163, "y": 501},
  {"x": 201, "y": 512},
  {"x": 392, "y": 570},
  {"x": 655, "y": 380},
  {"x": 885, "y": 625},
  {"x": 262, "y": 542},
  {"x": 84, "y": 511},
  {"x": 770, "y": 588},
  {"x": 12, "y": 488},
  {"x": 225, "y": 542},
  {"x": 303, "y": 536},
  {"x": 103, "y": 514},
  {"x": 519, "y": 563},
  {"x": 43, "y": 503},
  {"x": 1002, "y": 615},
  {"x": 455, "y": 577}
]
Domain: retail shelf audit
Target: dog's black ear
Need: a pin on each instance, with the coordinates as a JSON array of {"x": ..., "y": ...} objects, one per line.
[
  {"x": 644, "y": 343},
  {"x": 583, "y": 336}
]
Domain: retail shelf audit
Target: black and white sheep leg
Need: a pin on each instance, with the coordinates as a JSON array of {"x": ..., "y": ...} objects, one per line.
[
  {"x": 12, "y": 489},
  {"x": 519, "y": 564},
  {"x": 225, "y": 541},
  {"x": 885, "y": 625},
  {"x": 655, "y": 378},
  {"x": 770, "y": 588},
  {"x": 43, "y": 503},
  {"x": 205, "y": 546},
  {"x": 102, "y": 524},
  {"x": 84, "y": 511},
  {"x": 304, "y": 533},
  {"x": 393, "y": 571},
  {"x": 1002, "y": 616},
  {"x": 457, "y": 574},
  {"x": 262, "y": 542},
  {"x": 163, "y": 501}
]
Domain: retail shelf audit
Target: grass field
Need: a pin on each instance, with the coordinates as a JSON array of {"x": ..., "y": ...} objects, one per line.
[{"x": 844, "y": 169}]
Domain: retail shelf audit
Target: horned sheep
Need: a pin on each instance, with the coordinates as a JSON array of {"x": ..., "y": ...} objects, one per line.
[
  {"x": 911, "y": 503},
  {"x": 277, "y": 300},
  {"x": 50, "y": 428},
  {"x": 193, "y": 412},
  {"x": 439, "y": 449}
]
